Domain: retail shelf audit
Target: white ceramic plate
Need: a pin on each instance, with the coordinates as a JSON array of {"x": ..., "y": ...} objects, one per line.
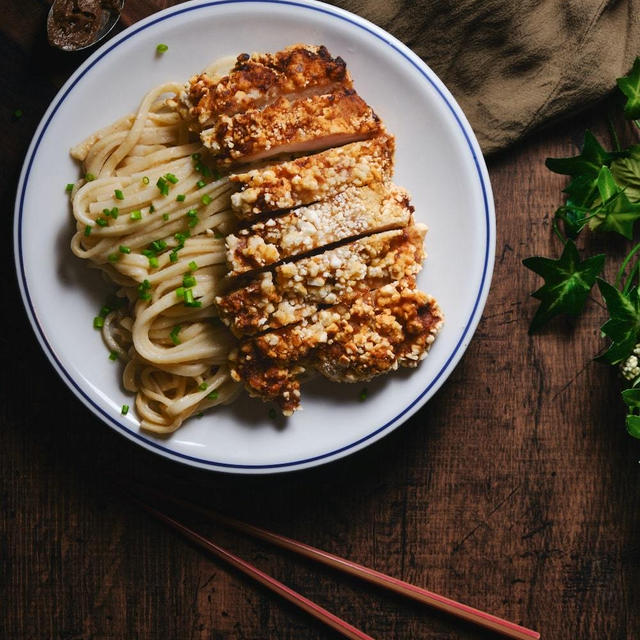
[{"x": 438, "y": 160}]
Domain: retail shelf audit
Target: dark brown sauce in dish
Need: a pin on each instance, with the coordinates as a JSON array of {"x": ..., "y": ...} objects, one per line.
[{"x": 73, "y": 24}]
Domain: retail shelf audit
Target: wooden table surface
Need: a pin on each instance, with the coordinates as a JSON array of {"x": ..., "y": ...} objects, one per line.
[{"x": 514, "y": 490}]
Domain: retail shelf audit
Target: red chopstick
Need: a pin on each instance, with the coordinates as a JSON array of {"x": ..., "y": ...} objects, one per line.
[
  {"x": 333, "y": 621},
  {"x": 463, "y": 611}
]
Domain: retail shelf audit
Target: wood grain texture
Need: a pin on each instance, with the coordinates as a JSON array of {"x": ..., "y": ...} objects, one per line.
[{"x": 514, "y": 490}]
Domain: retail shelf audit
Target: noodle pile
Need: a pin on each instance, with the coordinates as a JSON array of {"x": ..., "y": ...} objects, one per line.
[{"x": 152, "y": 216}]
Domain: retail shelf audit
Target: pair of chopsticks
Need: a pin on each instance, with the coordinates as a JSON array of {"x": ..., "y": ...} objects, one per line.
[{"x": 462, "y": 611}]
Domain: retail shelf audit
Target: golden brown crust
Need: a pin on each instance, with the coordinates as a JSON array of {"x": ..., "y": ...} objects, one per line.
[
  {"x": 295, "y": 290},
  {"x": 354, "y": 212},
  {"x": 312, "y": 178},
  {"x": 392, "y": 326},
  {"x": 261, "y": 78},
  {"x": 286, "y": 126}
]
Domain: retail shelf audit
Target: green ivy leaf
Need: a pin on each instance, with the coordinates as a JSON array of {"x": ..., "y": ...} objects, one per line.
[
  {"x": 631, "y": 398},
  {"x": 630, "y": 86},
  {"x": 617, "y": 213},
  {"x": 568, "y": 282},
  {"x": 626, "y": 172},
  {"x": 623, "y": 325}
]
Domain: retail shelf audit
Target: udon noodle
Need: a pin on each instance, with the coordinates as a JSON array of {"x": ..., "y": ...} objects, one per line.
[{"x": 151, "y": 215}]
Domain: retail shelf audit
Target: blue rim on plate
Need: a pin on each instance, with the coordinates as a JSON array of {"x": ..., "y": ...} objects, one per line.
[{"x": 428, "y": 75}]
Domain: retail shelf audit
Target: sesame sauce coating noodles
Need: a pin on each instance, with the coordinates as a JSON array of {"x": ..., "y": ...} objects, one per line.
[{"x": 152, "y": 216}]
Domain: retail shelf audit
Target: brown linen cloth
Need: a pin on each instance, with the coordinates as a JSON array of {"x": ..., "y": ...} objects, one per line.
[{"x": 515, "y": 65}]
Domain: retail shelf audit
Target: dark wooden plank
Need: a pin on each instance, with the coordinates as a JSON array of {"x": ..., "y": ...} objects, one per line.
[{"x": 514, "y": 490}]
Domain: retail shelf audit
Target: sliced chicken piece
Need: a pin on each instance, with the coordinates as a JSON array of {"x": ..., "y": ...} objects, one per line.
[
  {"x": 311, "y": 178},
  {"x": 255, "y": 81},
  {"x": 354, "y": 212},
  {"x": 289, "y": 127},
  {"x": 295, "y": 290},
  {"x": 386, "y": 328}
]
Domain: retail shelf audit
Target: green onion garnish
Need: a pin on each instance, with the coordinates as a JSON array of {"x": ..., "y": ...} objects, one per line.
[
  {"x": 180, "y": 292},
  {"x": 212, "y": 396},
  {"x": 69, "y": 187},
  {"x": 161, "y": 48},
  {"x": 153, "y": 262},
  {"x": 174, "y": 334},
  {"x": 89, "y": 177},
  {"x": 188, "y": 281},
  {"x": 195, "y": 156},
  {"x": 125, "y": 409},
  {"x": 217, "y": 235},
  {"x": 145, "y": 180},
  {"x": 181, "y": 197},
  {"x": 105, "y": 310},
  {"x": 87, "y": 230},
  {"x": 165, "y": 216},
  {"x": 173, "y": 256},
  {"x": 193, "y": 265},
  {"x": 118, "y": 194},
  {"x": 102, "y": 222},
  {"x": 158, "y": 245},
  {"x": 98, "y": 322},
  {"x": 200, "y": 184},
  {"x": 17, "y": 114},
  {"x": 152, "y": 209},
  {"x": 136, "y": 215},
  {"x": 124, "y": 249},
  {"x": 143, "y": 290},
  {"x": 163, "y": 186},
  {"x": 202, "y": 386},
  {"x": 363, "y": 395},
  {"x": 113, "y": 355},
  {"x": 113, "y": 257},
  {"x": 171, "y": 177},
  {"x": 206, "y": 199}
]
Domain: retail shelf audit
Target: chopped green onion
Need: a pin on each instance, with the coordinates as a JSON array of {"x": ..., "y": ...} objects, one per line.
[
  {"x": 114, "y": 213},
  {"x": 124, "y": 249},
  {"x": 158, "y": 245},
  {"x": 188, "y": 281},
  {"x": 105, "y": 310},
  {"x": 174, "y": 334},
  {"x": 153, "y": 262},
  {"x": 136, "y": 215},
  {"x": 152, "y": 209},
  {"x": 206, "y": 199},
  {"x": 363, "y": 395},
  {"x": 205, "y": 171},
  {"x": 17, "y": 114},
  {"x": 87, "y": 230},
  {"x": 145, "y": 180},
  {"x": 180, "y": 292},
  {"x": 192, "y": 213},
  {"x": 195, "y": 156},
  {"x": 125, "y": 409},
  {"x": 173, "y": 256},
  {"x": 216, "y": 175},
  {"x": 181, "y": 197},
  {"x": 163, "y": 186},
  {"x": 113, "y": 257},
  {"x": 102, "y": 222},
  {"x": 113, "y": 355},
  {"x": 172, "y": 178},
  {"x": 193, "y": 265},
  {"x": 118, "y": 194},
  {"x": 161, "y": 48},
  {"x": 98, "y": 322},
  {"x": 89, "y": 177},
  {"x": 189, "y": 300},
  {"x": 69, "y": 187},
  {"x": 143, "y": 290},
  {"x": 192, "y": 222},
  {"x": 165, "y": 216},
  {"x": 217, "y": 235},
  {"x": 200, "y": 184},
  {"x": 202, "y": 386},
  {"x": 212, "y": 396}
]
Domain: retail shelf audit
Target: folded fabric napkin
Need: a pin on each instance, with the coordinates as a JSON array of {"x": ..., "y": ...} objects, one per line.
[{"x": 515, "y": 65}]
